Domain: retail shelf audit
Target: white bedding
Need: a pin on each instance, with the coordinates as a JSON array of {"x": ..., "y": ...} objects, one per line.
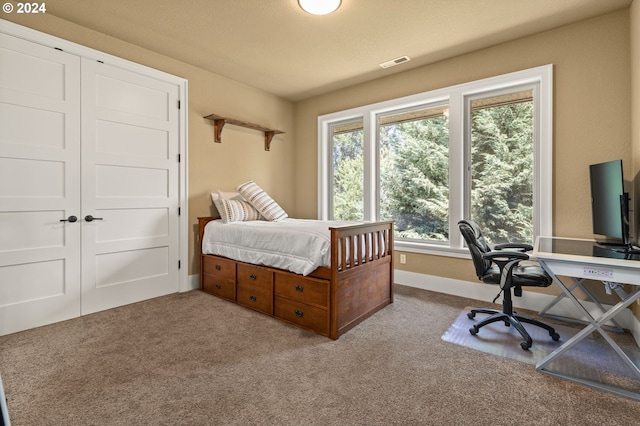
[{"x": 296, "y": 245}]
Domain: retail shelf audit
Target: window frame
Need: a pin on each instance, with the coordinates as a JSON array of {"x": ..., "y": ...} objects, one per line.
[{"x": 458, "y": 97}]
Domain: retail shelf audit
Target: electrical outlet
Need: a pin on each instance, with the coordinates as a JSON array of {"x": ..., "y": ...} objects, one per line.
[{"x": 403, "y": 259}]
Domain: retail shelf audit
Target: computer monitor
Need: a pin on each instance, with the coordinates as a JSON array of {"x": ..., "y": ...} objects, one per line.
[{"x": 610, "y": 205}]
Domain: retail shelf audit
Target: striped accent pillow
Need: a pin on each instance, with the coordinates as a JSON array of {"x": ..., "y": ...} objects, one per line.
[
  {"x": 217, "y": 196},
  {"x": 237, "y": 210},
  {"x": 262, "y": 201}
]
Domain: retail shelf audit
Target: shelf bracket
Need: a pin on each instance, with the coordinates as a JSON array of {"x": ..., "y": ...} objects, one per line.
[
  {"x": 218, "y": 124},
  {"x": 268, "y": 135}
]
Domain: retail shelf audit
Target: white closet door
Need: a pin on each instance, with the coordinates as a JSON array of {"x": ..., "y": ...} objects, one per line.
[
  {"x": 39, "y": 185},
  {"x": 130, "y": 146}
]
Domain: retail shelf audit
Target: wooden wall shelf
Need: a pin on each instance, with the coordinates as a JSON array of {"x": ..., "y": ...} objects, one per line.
[{"x": 219, "y": 122}]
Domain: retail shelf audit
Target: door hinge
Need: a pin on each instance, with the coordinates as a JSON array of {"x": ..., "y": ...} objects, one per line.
[
  {"x": 179, "y": 158},
  {"x": 178, "y": 103},
  {"x": 179, "y": 264},
  {"x": 179, "y": 211}
]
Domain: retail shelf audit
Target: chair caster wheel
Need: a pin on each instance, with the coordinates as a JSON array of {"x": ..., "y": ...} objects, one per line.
[
  {"x": 471, "y": 315},
  {"x": 525, "y": 346},
  {"x": 473, "y": 331},
  {"x": 555, "y": 336}
]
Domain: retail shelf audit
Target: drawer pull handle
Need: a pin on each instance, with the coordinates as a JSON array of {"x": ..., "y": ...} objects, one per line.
[
  {"x": 299, "y": 314},
  {"x": 218, "y": 267},
  {"x": 253, "y": 276},
  {"x": 253, "y": 298},
  {"x": 218, "y": 286},
  {"x": 299, "y": 288}
]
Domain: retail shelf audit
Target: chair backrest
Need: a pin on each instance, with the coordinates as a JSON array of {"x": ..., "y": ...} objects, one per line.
[{"x": 477, "y": 245}]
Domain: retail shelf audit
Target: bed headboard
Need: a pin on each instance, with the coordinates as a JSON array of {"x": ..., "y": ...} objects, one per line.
[{"x": 202, "y": 221}]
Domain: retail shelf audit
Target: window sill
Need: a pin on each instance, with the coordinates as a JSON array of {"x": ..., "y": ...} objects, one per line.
[{"x": 431, "y": 249}]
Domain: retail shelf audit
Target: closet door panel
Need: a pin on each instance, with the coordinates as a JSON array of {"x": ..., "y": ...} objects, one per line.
[
  {"x": 39, "y": 185},
  {"x": 27, "y": 70},
  {"x": 127, "y": 140},
  {"x": 130, "y": 180},
  {"x": 48, "y": 134}
]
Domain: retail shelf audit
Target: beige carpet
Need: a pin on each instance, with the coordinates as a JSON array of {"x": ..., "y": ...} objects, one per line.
[
  {"x": 193, "y": 359},
  {"x": 591, "y": 358}
]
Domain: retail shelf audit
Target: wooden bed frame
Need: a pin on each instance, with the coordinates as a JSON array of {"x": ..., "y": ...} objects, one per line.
[{"x": 329, "y": 301}]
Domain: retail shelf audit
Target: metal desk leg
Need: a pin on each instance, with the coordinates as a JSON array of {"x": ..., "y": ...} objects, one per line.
[
  {"x": 593, "y": 325},
  {"x": 578, "y": 283}
]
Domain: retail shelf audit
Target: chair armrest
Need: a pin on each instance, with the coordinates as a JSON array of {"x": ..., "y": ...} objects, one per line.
[
  {"x": 506, "y": 255},
  {"x": 517, "y": 246},
  {"x": 506, "y": 261}
]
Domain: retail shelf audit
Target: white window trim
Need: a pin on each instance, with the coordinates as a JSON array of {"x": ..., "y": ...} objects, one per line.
[{"x": 456, "y": 96}]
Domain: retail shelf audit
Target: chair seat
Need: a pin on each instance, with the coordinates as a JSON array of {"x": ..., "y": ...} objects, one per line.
[{"x": 523, "y": 276}]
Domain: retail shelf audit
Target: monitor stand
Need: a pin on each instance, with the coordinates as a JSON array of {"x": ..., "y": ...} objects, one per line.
[{"x": 620, "y": 247}]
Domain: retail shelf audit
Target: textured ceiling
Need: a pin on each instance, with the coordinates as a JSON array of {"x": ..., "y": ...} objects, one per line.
[{"x": 275, "y": 46}]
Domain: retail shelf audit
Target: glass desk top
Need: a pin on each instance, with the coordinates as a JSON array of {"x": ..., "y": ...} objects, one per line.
[{"x": 583, "y": 248}]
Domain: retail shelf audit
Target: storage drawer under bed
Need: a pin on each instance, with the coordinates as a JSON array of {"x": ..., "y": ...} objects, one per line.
[
  {"x": 306, "y": 316},
  {"x": 310, "y": 291},
  {"x": 255, "y": 288},
  {"x": 219, "y": 277}
]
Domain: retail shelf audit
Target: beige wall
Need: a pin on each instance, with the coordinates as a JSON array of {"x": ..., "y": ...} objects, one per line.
[
  {"x": 211, "y": 166},
  {"x": 591, "y": 120}
]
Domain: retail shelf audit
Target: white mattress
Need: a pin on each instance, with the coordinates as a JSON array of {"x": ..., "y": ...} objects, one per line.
[{"x": 296, "y": 245}]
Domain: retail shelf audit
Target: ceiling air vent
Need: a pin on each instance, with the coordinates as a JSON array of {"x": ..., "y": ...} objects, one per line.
[{"x": 394, "y": 62}]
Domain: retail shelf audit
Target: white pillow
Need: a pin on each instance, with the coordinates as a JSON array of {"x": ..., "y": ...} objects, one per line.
[
  {"x": 235, "y": 210},
  {"x": 227, "y": 195},
  {"x": 262, "y": 201}
]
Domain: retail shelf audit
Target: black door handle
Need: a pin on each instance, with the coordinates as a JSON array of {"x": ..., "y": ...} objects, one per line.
[
  {"x": 90, "y": 218},
  {"x": 69, "y": 219}
]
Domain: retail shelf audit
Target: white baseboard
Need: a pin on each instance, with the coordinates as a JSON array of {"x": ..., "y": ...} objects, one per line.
[
  {"x": 529, "y": 300},
  {"x": 193, "y": 282}
]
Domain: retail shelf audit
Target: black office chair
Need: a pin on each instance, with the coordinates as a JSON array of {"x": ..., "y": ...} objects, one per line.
[{"x": 501, "y": 266}]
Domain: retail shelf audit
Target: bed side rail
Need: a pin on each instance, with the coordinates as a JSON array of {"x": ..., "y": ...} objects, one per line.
[{"x": 355, "y": 245}]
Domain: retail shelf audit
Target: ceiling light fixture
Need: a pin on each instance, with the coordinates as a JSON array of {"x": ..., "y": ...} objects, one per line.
[{"x": 319, "y": 7}]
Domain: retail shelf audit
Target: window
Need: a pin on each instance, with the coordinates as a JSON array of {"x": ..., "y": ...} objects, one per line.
[
  {"x": 413, "y": 156},
  {"x": 347, "y": 173},
  {"x": 480, "y": 150},
  {"x": 501, "y": 142}
]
